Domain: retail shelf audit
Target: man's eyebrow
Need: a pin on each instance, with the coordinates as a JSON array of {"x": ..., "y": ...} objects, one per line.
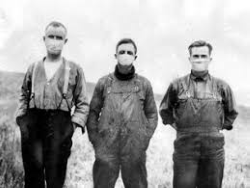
[
  {"x": 199, "y": 54},
  {"x": 54, "y": 35}
]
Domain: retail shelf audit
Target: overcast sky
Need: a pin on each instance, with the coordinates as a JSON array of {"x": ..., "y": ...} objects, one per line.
[{"x": 162, "y": 29}]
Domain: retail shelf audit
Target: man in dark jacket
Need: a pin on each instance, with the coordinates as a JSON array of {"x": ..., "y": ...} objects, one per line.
[
  {"x": 50, "y": 89},
  {"x": 198, "y": 106},
  {"x": 121, "y": 122}
]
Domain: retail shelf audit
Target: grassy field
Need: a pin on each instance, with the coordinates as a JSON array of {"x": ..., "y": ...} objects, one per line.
[
  {"x": 159, "y": 159},
  {"x": 159, "y": 154}
]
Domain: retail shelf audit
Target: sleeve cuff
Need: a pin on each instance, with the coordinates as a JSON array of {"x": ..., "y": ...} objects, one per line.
[
  {"x": 165, "y": 122},
  {"x": 78, "y": 121},
  {"x": 227, "y": 127}
]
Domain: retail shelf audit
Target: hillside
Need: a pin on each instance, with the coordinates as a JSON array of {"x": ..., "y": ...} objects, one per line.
[{"x": 10, "y": 85}]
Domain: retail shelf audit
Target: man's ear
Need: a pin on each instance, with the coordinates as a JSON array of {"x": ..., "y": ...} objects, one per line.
[
  {"x": 135, "y": 57},
  {"x": 44, "y": 38},
  {"x": 65, "y": 41},
  {"x": 115, "y": 56}
]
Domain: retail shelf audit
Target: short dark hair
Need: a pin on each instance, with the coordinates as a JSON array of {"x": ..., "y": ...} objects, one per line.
[
  {"x": 200, "y": 43},
  {"x": 56, "y": 24},
  {"x": 126, "y": 41}
]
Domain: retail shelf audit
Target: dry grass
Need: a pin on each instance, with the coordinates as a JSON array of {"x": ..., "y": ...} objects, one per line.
[
  {"x": 159, "y": 156},
  {"x": 159, "y": 160},
  {"x": 11, "y": 170}
]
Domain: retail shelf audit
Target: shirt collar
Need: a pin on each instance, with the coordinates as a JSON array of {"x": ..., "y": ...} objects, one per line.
[{"x": 199, "y": 76}]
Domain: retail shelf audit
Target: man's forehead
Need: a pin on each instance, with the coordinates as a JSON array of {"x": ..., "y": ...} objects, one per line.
[
  {"x": 200, "y": 50},
  {"x": 126, "y": 46},
  {"x": 58, "y": 31}
]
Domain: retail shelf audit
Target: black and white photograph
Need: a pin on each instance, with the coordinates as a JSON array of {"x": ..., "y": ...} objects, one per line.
[{"x": 124, "y": 94}]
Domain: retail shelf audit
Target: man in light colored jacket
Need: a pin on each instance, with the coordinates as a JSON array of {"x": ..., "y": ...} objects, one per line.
[{"x": 53, "y": 103}]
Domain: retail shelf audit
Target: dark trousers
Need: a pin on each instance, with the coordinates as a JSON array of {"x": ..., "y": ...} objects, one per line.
[
  {"x": 46, "y": 143},
  {"x": 133, "y": 171},
  {"x": 198, "y": 160}
]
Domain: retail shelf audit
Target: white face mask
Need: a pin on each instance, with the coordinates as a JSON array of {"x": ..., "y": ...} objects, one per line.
[
  {"x": 125, "y": 59},
  {"x": 54, "y": 46},
  {"x": 125, "y": 54},
  {"x": 55, "y": 40}
]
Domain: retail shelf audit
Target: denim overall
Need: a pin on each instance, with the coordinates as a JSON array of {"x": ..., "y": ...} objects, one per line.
[
  {"x": 122, "y": 136},
  {"x": 198, "y": 149}
]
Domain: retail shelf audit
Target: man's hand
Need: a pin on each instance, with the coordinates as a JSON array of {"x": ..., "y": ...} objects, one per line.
[
  {"x": 227, "y": 127},
  {"x": 19, "y": 119},
  {"x": 173, "y": 125},
  {"x": 75, "y": 125}
]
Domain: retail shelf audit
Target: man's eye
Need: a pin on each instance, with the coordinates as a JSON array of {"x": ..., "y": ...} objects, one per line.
[
  {"x": 121, "y": 52},
  {"x": 51, "y": 36},
  {"x": 59, "y": 38},
  {"x": 130, "y": 53},
  {"x": 200, "y": 56}
]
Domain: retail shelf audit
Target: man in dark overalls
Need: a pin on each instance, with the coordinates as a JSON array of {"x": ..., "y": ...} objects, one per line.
[
  {"x": 121, "y": 122},
  {"x": 51, "y": 88},
  {"x": 198, "y": 106}
]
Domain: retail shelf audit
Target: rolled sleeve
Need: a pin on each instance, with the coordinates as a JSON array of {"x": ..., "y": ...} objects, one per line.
[
  {"x": 96, "y": 105},
  {"x": 151, "y": 109},
  {"x": 167, "y": 105},
  {"x": 230, "y": 111}
]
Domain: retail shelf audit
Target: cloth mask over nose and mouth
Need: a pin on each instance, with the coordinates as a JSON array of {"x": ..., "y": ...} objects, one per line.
[
  {"x": 125, "y": 59},
  {"x": 55, "y": 45}
]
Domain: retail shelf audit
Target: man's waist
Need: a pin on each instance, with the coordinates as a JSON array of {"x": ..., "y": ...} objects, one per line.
[
  {"x": 198, "y": 129},
  {"x": 50, "y": 104}
]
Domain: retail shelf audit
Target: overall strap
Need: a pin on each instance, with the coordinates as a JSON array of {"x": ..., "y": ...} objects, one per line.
[
  {"x": 65, "y": 84},
  {"x": 66, "y": 79},
  {"x": 185, "y": 84},
  {"x": 32, "y": 94},
  {"x": 137, "y": 83},
  {"x": 108, "y": 85}
]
